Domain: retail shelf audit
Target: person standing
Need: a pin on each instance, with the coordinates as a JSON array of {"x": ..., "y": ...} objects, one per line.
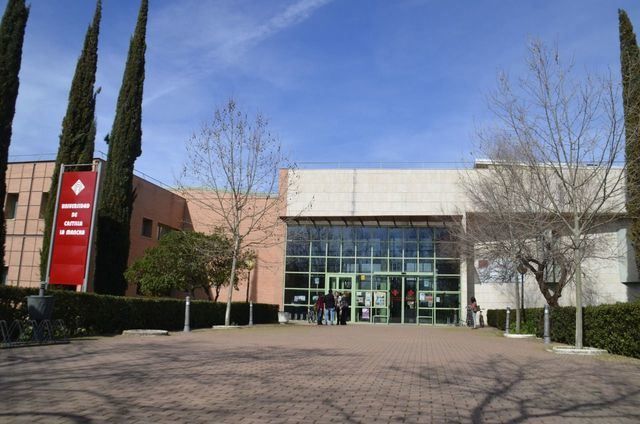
[
  {"x": 319, "y": 308},
  {"x": 344, "y": 309},
  {"x": 330, "y": 307},
  {"x": 473, "y": 305}
]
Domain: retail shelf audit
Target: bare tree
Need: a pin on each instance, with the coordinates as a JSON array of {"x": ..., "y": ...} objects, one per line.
[
  {"x": 235, "y": 162},
  {"x": 554, "y": 175}
]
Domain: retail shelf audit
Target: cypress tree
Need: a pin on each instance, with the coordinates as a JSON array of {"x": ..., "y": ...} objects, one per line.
[
  {"x": 12, "y": 27},
  {"x": 629, "y": 61},
  {"x": 124, "y": 142},
  {"x": 78, "y": 126}
]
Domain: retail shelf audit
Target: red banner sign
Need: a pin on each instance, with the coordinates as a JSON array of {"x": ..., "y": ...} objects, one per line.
[{"x": 73, "y": 228}]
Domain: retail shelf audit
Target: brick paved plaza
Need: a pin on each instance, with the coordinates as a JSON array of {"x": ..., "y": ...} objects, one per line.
[{"x": 305, "y": 374}]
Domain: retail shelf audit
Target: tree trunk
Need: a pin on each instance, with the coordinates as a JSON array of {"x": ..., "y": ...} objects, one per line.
[{"x": 236, "y": 247}]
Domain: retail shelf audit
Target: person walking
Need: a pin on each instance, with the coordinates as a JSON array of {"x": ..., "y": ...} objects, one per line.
[
  {"x": 330, "y": 307},
  {"x": 319, "y": 308}
]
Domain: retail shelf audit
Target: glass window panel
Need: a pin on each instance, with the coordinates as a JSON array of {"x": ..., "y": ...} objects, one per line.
[
  {"x": 364, "y": 283},
  {"x": 296, "y": 297},
  {"x": 410, "y": 265},
  {"x": 380, "y": 283},
  {"x": 297, "y": 248},
  {"x": 318, "y": 248},
  {"x": 426, "y": 312},
  {"x": 317, "y": 281},
  {"x": 297, "y": 264},
  {"x": 296, "y": 280},
  {"x": 441, "y": 234},
  {"x": 333, "y": 265},
  {"x": 314, "y": 233},
  {"x": 447, "y": 300},
  {"x": 410, "y": 249},
  {"x": 379, "y": 265},
  {"x": 395, "y": 234},
  {"x": 445, "y": 316},
  {"x": 447, "y": 266},
  {"x": 314, "y": 295},
  {"x": 348, "y": 248},
  {"x": 425, "y": 283},
  {"x": 426, "y": 265},
  {"x": 364, "y": 248},
  {"x": 333, "y": 248},
  {"x": 448, "y": 284},
  {"x": 380, "y": 248},
  {"x": 296, "y": 232},
  {"x": 425, "y": 299},
  {"x": 395, "y": 265},
  {"x": 363, "y": 265},
  {"x": 379, "y": 233},
  {"x": 426, "y": 249},
  {"x": 349, "y": 233},
  {"x": 348, "y": 265},
  {"x": 317, "y": 264},
  {"x": 334, "y": 233},
  {"x": 446, "y": 249},
  {"x": 425, "y": 234},
  {"x": 362, "y": 233},
  {"x": 395, "y": 249},
  {"x": 410, "y": 234}
]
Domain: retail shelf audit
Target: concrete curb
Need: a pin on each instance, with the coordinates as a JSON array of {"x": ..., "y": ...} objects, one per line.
[
  {"x": 572, "y": 350},
  {"x": 226, "y": 327},
  {"x": 519, "y": 336},
  {"x": 145, "y": 333}
]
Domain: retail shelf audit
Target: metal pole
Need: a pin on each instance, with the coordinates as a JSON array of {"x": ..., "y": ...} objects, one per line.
[
  {"x": 251, "y": 313},
  {"x": 187, "y": 327},
  {"x": 94, "y": 215},
  {"x": 547, "y": 335},
  {"x": 248, "y": 284},
  {"x": 43, "y": 285},
  {"x": 522, "y": 296},
  {"x": 55, "y": 219},
  {"x": 506, "y": 327}
]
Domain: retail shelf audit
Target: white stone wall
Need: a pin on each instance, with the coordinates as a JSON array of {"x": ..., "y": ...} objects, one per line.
[{"x": 374, "y": 192}]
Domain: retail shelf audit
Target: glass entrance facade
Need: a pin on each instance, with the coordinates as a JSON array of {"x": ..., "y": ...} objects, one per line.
[{"x": 404, "y": 275}]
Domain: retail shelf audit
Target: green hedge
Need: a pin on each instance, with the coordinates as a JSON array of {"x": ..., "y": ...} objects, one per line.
[
  {"x": 86, "y": 313},
  {"x": 615, "y": 328}
]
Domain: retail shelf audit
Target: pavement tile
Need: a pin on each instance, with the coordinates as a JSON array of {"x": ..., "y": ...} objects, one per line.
[{"x": 307, "y": 374}]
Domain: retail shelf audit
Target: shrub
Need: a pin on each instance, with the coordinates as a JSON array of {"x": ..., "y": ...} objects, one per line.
[
  {"x": 86, "y": 313},
  {"x": 611, "y": 327}
]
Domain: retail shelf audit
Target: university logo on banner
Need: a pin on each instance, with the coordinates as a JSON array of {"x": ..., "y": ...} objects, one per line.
[{"x": 72, "y": 229}]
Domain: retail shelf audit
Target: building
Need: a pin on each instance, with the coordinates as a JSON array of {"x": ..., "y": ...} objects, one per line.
[
  {"x": 156, "y": 210},
  {"x": 379, "y": 236}
]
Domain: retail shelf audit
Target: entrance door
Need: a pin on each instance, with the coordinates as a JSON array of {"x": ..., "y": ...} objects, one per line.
[
  {"x": 395, "y": 300},
  {"x": 410, "y": 305},
  {"x": 344, "y": 285}
]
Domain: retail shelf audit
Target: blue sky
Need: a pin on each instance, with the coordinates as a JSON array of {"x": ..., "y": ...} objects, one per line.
[{"x": 340, "y": 81}]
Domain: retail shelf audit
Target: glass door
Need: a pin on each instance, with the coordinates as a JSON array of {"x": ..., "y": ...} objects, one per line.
[
  {"x": 342, "y": 285},
  {"x": 395, "y": 300},
  {"x": 409, "y": 303}
]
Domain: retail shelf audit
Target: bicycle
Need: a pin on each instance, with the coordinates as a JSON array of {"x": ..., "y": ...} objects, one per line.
[{"x": 312, "y": 315}]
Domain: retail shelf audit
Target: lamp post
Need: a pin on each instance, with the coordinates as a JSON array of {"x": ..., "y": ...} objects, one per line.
[
  {"x": 522, "y": 270},
  {"x": 249, "y": 263}
]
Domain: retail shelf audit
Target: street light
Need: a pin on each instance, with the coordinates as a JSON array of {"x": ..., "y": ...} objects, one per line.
[{"x": 522, "y": 270}]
